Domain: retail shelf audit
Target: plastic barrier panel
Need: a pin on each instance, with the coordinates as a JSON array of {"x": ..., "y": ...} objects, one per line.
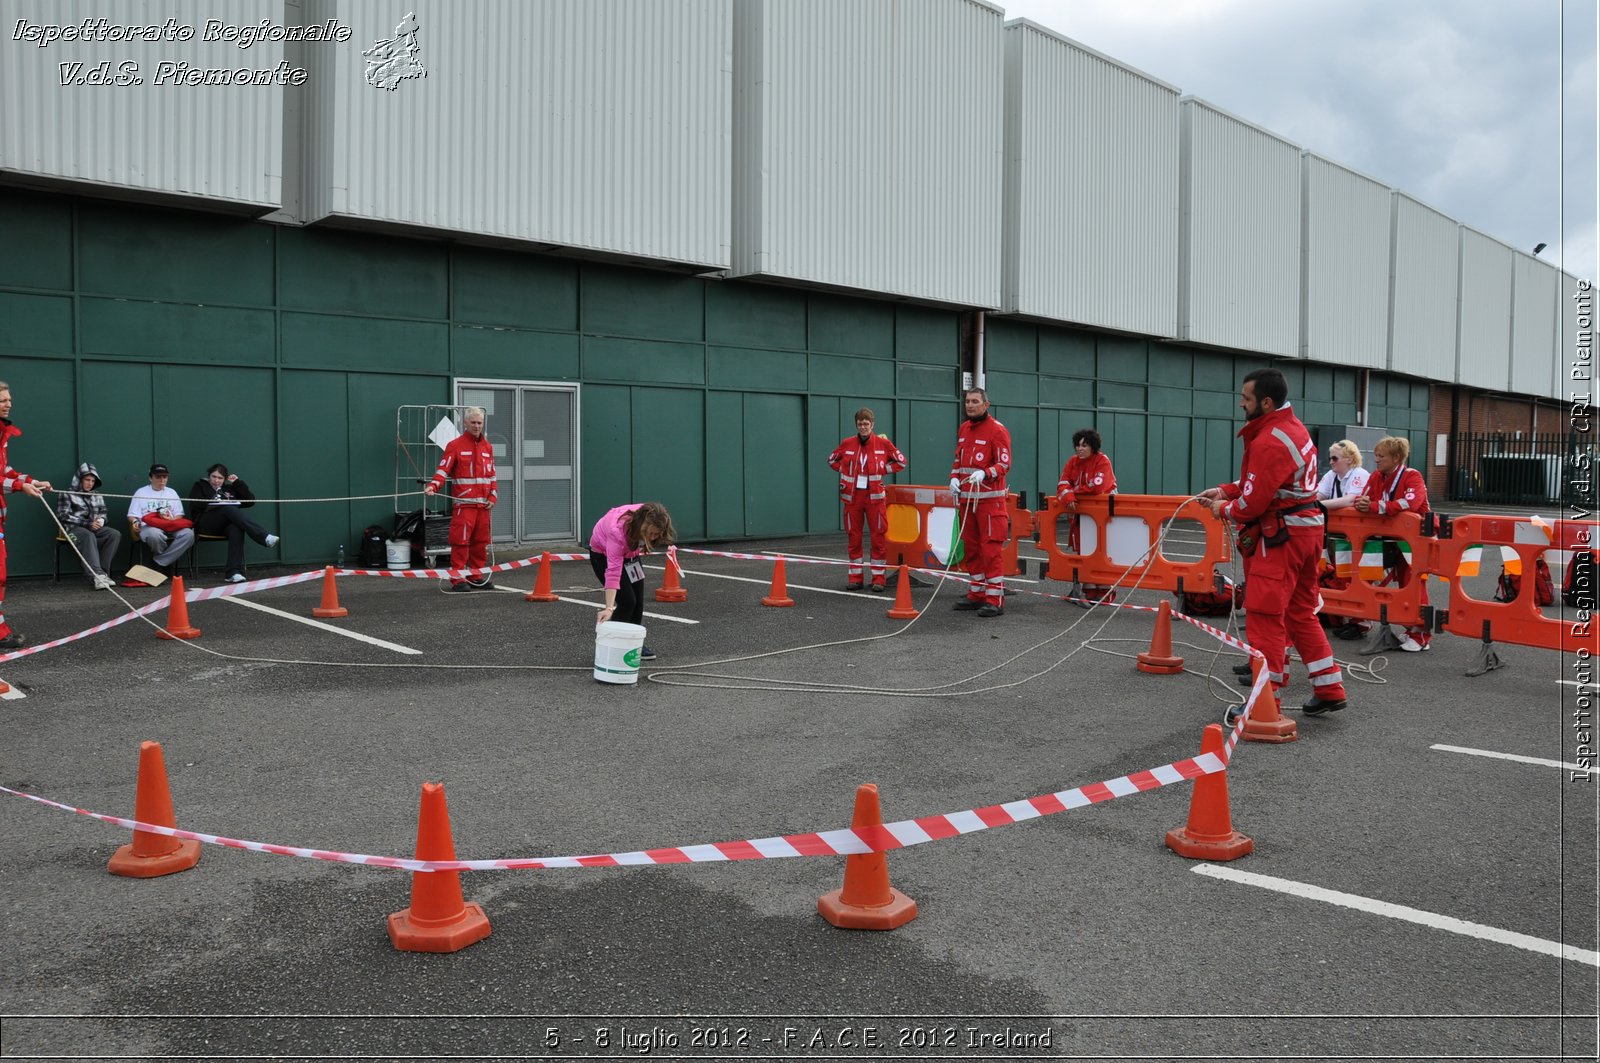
[
  {"x": 1363, "y": 598},
  {"x": 1115, "y": 531},
  {"x": 922, "y": 520},
  {"x": 1519, "y": 621}
]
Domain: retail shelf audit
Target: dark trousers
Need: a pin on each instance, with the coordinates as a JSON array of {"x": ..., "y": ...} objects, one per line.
[
  {"x": 235, "y": 524},
  {"x": 630, "y": 593}
]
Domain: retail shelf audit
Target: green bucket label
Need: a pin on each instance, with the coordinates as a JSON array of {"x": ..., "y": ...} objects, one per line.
[{"x": 631, "y": 658}]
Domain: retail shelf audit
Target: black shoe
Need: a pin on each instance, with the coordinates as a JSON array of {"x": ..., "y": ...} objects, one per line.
[
  {"x": 13, "y": 641},
  {"x": 1246, "y": 679},
  {"x": 855, "y": 586},
  {"x": 486, "y": 585},
  {"x": 1348, "y": 632},
  {"x": 1242, "y": 669},
  {"x": 990, "y": 610},
  {"x": 460, "y": 588},
  {"x": 967, "y": 603},
  {"x": 646, "y": 653},
  {"x": 1317, "y": 706},
  {"x": 878, "y": 588}
]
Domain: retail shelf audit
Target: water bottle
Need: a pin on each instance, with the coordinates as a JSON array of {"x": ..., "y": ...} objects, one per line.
[{"x": 341, "y": 555}]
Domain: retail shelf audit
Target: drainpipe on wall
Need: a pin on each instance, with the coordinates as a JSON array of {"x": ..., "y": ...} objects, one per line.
[
  {"x": 977, "y": 361},
  {"x": 1362, "y": 391}
]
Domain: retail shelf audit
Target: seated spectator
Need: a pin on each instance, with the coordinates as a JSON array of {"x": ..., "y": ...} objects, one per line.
[
  {"x": 1397, "y": 488},
  {"x": 1087, "y": 472},
  {"x": 220, "y": 501},
  {"x": 156, "y": 513},
  {"x": 1345, "y": 482},
  {"x": 83, "y": 515}
]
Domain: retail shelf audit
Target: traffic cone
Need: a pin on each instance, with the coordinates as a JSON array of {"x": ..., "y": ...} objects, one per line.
[
  {"x": 867, "y": 901},
  {"x": 1158, "y": 659},
  {"x": 330, "y": 609},
  {"x": 1209, "y": 834},
  {"x": 541, "y": 584},
  {"x": 780, "y": 587},
  {"x": 1266, "y": 723},
  {"x": 672, "y": 590},
  {"x": 178, "y": 626},
  {"x": 5, "y": 688},
  {"x": 903, "y": 609},
  {"x": 438, "y": 919},
  {"x": 151, "y": 854}
]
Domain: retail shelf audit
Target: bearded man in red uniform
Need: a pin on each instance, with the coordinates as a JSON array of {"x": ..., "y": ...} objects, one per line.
[
  {"x": 1274, "y": 502},
  {"x": 469, "y": 462},
  {"x": 978, "y": 482},
  {"x": 862, "y": 461}
]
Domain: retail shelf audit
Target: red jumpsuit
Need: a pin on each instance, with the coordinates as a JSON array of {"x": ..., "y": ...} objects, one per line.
[
  {"x": 10, "y": 480},
  {"x": 1277, "y": 489},
  {"x": 1404, "y": 492},
  {"x": 469, "y": 463},
  {"x": 985, "y": 525},
  {"x": 1091, "y": 477},
  {"x": 861, "y": 466}
]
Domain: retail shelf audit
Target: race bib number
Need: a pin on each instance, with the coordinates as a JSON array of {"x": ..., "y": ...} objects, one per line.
[
  {"x": 634, "y": 570},
  {"x": 861, "y": 483}
]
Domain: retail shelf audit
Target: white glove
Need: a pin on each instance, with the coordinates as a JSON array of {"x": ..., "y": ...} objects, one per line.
[
  {"x": 976, "y": 478},
  {"x": 955, "y": 485}
]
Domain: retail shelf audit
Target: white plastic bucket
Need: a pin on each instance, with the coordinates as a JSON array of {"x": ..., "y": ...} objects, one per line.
[
  {"x": 616, "y": 652},
  {"x": 398, "y": 551}
]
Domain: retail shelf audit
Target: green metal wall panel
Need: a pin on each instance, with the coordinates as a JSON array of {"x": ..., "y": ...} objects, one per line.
[
  {"x": 607, "y": 434},
  {"x": 615, "y": 301},
  {"x": 1023, "y": 424},
  {"x": 1171, "y": 400},
  {"x": 1214, "y": 372},
  {"x": 35, "y": 322},
  {"x": 926, "y": 381},
  {"x": 1122, "y": 436},
  {"x": 1010, "y": 345},
  {"x": 932, "y": 337},
  {"x": 521, "y": 291},
  {"x": 174, "y": 255},
  {"x": 1065, "y": 391},
  {"x": 1171, "y": 366},
  {"x": 1344, "y": 387},
  {"x": 1050, "y": 455},
  {"x": 318, "y": 466},
  {"x": 643, "y": 361},
  {"x": 1013, "y": 389},
  {"x": 117, "y": 430},
  {"x": 514, "y": 354},
  {"x": 42, "y": 225},
  {"x": 931, "y": 442},
  {"x": 725, "y": 465},
  {"x": 1118, "y": 358},
  {"x": 1111, "y": 396},
  {"x": 824, "y": 415},
  {"x": 748, "y": 315},
  {"x": 328, "y": 341},
  {"x": 736, "y": 367},
  {"x": 172, "y": 332},
  {"x": 849, "y": 326},
  {"x": 369, "y": 424},
  {"x": 774, "y": 465},
  {"x": 1066, "y": 353},
  {"x": 835, "y": 374},
  {"x": 669, "y": 455},
  {"x": 356, "y": 273},
  {"x": 45, "y": 449},
  {"x": 1167, "y": 440},
  {"x": 1214, "y": 403}
]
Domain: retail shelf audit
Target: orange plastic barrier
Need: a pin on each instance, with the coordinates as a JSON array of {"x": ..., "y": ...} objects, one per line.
[
  {"x": 1366, "y": 600},
  {"x": 907, "y": 526},
  {"x": 1518, "y": 621},
  {"x": 1157, "y": 571}
]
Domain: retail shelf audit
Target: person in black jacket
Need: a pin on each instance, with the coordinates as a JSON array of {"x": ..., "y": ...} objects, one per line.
[{"x": 218, "y": 504}]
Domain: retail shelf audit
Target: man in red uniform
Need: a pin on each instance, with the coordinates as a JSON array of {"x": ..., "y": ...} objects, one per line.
[
  {"x": 861, "y": 461},
  {"x": 1087, "y": 472},
  {"x": 10, "y": 480},
  {"x": 1397, "y": 488},
  {"x": 978, "y": 482},
  {"x": 469, "y": 461},
  {"x": 1274, "y": 502}
]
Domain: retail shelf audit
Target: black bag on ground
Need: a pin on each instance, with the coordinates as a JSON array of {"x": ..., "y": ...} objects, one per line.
[
  {"x": 371, "y": 553},
  {"x": 1577, "y": 588},
  {"x": 1544, "y": 590}
]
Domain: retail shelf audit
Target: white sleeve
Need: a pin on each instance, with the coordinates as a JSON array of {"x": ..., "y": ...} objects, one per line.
[{"x": 138, "y": 506}]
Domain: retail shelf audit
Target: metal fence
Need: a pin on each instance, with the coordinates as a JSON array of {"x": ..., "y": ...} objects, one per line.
[{"x": 1527, "y": 470}]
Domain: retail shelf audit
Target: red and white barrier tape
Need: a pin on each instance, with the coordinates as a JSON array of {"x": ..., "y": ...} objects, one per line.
[{"x": 453, "y": 573}]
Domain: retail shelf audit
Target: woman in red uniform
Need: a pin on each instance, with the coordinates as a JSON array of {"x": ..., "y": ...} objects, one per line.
[
  {"x": 1397, "y": 488},
  {"x": 1087, "y": 472}
]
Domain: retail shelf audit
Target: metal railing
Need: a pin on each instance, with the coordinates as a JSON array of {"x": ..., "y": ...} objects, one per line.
[{"x": 1528, "y": 470}]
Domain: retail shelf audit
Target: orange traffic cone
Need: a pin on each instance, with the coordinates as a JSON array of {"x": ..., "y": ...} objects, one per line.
[
  {"x": 5, "y": 688},
  {"x": 1266, "y": 723},
  {"x": 541, "y": 585},
  {"x": 903, "y": 609},
  {"x": 867, "y": 901},
  {"x": 1209, "y": 834},
  {"x": 780, "y": 587},
  {"x": 152, "y": 854},
  {"x": 438, "y": 919},
  {"x": 671, "y": 590},
  {"x": 330, "y": 609},
  {"x": 1158, "y": 659},
  {"x": 178, "y": 626}
]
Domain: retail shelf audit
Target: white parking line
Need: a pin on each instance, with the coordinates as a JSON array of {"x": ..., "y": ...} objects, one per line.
[
  {"x": 597, "y": 606},
  {"x": 1593, "y": 688},
  {"x": 358, "y": 636},
  {"x": 1509, "y": 756},
  {"x": 1446, "y": 923}
]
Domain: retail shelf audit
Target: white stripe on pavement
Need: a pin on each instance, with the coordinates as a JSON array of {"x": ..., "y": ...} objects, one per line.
[
  {"x": 358, "y": 636},
  {"x": 1593, "y": 688},
  {"x": 1509, "y": 756},
  {"x": 1446, "y": 923}
]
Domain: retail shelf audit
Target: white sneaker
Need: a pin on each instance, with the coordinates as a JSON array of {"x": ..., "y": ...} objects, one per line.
[
  {"x": 237, "y": 577},
  {"x": 1411, "y": 645},
  {"x": 103, "y": 583},
  {"x": 272, "y": 540}
]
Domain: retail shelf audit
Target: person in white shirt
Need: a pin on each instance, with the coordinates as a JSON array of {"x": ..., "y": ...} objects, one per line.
[
  {"x": 1339, "y": 489},
  {"x": 157, "y": 510}
]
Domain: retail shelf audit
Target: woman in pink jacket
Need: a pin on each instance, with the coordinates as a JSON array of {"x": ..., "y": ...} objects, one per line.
[{"x": 619, "y": 540}]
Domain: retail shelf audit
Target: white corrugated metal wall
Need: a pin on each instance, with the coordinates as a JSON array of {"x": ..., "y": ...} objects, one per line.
[
  {"x": 1534, "y": 328},
  {"x": 1485, "y": 311},
  {"x": 1345, "y": 281},
  {"x": 1094, "y": 167},
  {"x": 596, "y": 124},
  {"x": 1422, "y": 301},
  {"x": 869, "y": 143},
  {"x": 150, "y": 132},
  {"x": 1239, "y": 270}
]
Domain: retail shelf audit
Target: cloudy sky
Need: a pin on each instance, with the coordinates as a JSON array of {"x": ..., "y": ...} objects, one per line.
[{"x": 1456, "y": 102}]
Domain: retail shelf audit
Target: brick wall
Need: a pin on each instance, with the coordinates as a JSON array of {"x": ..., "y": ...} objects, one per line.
[{"x": 1479, "y": 413}]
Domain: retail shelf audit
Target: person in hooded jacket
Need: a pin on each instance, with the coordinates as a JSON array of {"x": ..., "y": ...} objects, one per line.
[
  {"x": 218, "y": 503},
  {"x": 82, "y": 512}
]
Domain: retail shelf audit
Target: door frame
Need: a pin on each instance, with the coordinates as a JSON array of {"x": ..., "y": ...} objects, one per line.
[{"x": 572, "y": 388}]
